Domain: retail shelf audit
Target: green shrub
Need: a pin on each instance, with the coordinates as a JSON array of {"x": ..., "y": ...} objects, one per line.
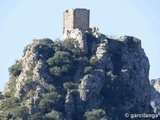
[
  {"x": 1, "y": 96},
  {"x": 16, "y": 68},
  {"x": 7, "y": 103},
  {"x": 21, "y": 112},
  {"x": 87, "y": 69},
  {"x": 94, "y": 114},
  {"x": 8, "y": 95},
  {"x": 66, "y": 68},
  {"x": 69, "y": 85},
  {"x": 56, "y": 71},
  {"x": 28, "y": 85},
  {"x": 136, "y": 39},
  {"x": 93, "y": 61},
  {"x": 29, "y": 75},
  {"x": 68, "y": 45},
  {"x": 59, "y": 58},
  {"x": 36, "y": 116},
  {"x": 46, "y": 50},
  {"x": 51, "y": 88},
  {"x": 111, "y": 76},
  {"x": 45, "y": 104},
  {"x": 50, "y": 101},
  {"x": 60, "y": 63},
  {"x": 54, "y": 115}
]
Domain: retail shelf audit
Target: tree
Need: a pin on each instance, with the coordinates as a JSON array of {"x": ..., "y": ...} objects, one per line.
[
  {"x": 69, "y": 85},
  {"x": 87, "y": 69},
  {"x": 56, "y": 71},
  {"x": 54, "y": 115},
  {"x": 60, "y": 63},
  {"x": 59, "y": 58},
  {"x": 16, "y": 68},
  {"x": 68, "y": 45},
  {"x": 36, "y": 116},
  {"x": 50, "y": 101},
  {"x": 21, "y": 112},
  {"x": 94, "y": 114}
]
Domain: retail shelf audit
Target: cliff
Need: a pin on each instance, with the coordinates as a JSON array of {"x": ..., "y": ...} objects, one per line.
[
  {"x": 86, "y": 76},
  {"x": 155, "y": 95}
]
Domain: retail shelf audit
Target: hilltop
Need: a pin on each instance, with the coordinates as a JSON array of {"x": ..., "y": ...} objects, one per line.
[{"x": 87, "y": 76}]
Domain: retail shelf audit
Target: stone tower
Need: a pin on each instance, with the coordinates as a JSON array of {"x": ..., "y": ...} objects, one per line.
[{"x": 76, "y": 18}]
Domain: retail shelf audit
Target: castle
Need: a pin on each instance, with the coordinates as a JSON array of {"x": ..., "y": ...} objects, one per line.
[{"x": 76, "y": 18}]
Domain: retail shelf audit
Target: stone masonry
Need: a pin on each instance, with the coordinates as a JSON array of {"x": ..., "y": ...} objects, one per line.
[{"x": 76, "y": 18}]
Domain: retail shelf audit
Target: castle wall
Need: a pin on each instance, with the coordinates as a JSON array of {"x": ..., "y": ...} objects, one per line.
[
  {"x": 78, "y": 18},
  {"x": 81, "y": 19},
  {"x": 68, "y": 20}
]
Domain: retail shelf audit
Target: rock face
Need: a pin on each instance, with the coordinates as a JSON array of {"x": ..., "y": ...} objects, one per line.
[
  {"x": 108, "y": 75},
  {"x": 79, "y": 39},
  {"x": 120, "y": 81},
  {"x": 155, "y": 95},
  {"x": 33, "y": 73}
]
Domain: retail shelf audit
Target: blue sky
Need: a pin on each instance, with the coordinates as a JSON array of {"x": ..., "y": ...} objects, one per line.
[{"x": 21, "y": 21}]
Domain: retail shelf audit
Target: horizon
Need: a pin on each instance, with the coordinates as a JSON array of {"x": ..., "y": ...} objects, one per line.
[{"x": 20, "y": 25}]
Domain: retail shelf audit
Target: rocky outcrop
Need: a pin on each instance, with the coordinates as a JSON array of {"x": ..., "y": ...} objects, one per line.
[
  {"x": 78, "y": 38},
  {"x": 108, "y": 74},
  {"x": 33, "y": 73},
  {"x": 155, "y": 95},
  {"x": 32, "y": 62},
  {"x": 69, "y": 105},
  {"x": 121, "y": 76}
]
